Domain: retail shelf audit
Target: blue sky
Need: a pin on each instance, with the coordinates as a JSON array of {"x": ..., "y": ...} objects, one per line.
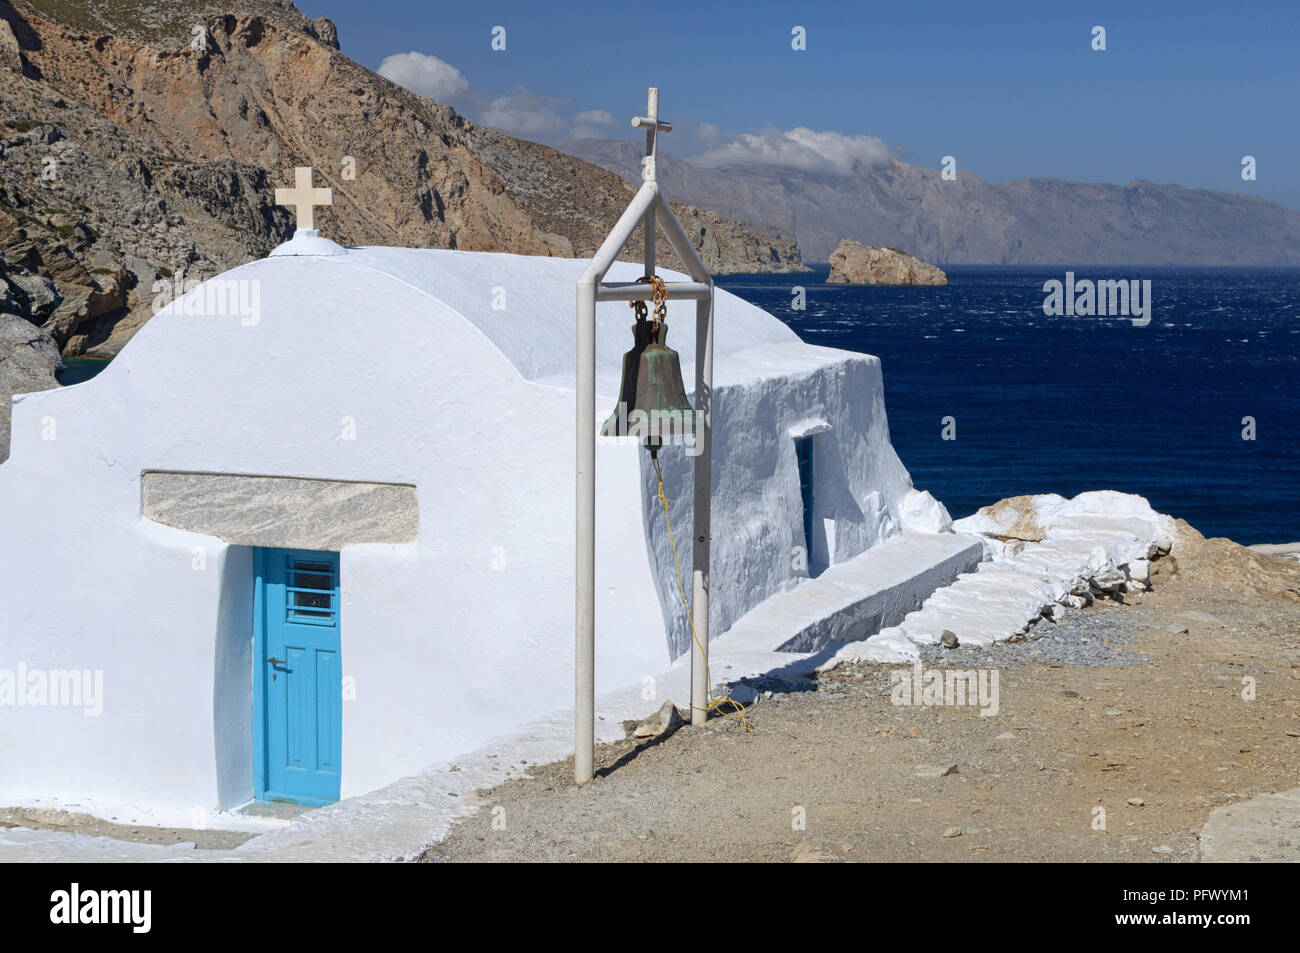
[{"x": 1011, "y": 89}]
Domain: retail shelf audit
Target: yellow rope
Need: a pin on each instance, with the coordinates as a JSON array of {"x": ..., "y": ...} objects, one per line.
[{"x": 738, "y": 710}]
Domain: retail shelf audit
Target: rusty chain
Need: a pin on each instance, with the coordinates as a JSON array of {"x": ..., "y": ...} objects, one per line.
[{"x": 659, "y": 294}]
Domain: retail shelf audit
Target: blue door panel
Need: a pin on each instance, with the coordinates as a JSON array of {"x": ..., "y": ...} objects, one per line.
[
  {"x": 327, "y": 706},
  {"x": 298, "y": 717}
]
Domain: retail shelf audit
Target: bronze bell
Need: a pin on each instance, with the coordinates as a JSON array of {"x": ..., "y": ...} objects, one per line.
[{"x": 652, "y": 400}]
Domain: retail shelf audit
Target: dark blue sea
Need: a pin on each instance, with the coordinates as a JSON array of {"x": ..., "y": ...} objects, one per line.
[{"x": 1066, "y": 404}]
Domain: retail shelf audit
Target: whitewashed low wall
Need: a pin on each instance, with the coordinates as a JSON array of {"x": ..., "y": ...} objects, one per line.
[
  {"x": 859, "y": 484},
  {"x": 1047, "y": 553}
]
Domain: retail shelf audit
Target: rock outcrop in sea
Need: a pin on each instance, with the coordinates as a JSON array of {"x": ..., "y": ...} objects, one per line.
[{"x": 853, "y": 263}]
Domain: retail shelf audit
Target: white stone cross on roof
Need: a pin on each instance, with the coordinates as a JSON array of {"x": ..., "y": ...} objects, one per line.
[
  {"x": 304, "y": 198},
  {"x": 652, "y": 125}
]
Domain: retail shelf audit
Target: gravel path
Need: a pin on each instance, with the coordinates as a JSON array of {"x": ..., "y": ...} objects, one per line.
[{"x": 1101, "y": 635}]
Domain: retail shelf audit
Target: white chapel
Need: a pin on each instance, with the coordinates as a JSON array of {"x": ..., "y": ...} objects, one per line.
[{"x": 313, "y": 529}]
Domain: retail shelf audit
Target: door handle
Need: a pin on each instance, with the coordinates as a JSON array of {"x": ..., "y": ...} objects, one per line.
[{"x": 277, "y": 661}]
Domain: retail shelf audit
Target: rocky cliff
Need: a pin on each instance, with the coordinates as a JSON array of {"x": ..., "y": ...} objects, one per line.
[
  {"x": 141, "y": 142},
  {"x": 972, "y": 221},
  {"x": 853, "y": 263}
]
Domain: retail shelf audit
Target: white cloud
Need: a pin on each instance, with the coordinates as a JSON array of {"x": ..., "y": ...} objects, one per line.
[
  {"x": 800, "y": 148},
  {"x": 518, "y": 112},
  {"x": 425, "y": 75},
  {"x": 523, "y": 114},
  {"x": 590, "y": 123}
]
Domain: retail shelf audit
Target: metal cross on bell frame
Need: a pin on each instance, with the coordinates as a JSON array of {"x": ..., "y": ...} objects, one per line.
[{"x": 651, "y": 387}]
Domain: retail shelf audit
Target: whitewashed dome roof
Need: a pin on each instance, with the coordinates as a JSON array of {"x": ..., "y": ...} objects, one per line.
[{"x": 524, "y": 305}]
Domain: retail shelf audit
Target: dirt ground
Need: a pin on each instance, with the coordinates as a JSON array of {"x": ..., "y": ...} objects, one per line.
[{"x": 1153, "y": 723}]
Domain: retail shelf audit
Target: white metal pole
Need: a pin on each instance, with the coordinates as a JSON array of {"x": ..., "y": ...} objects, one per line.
[
  {"x": 650, "y": 241},
  {"x": 584, "y": 709},
  {"x": 584, "y": 607},
  {"x": 636, "y": 290},
  {"x": 700, "y": 550},
  {"x": 648, "y": 174}
]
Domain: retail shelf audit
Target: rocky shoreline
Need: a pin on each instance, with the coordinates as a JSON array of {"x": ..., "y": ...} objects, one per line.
[{"x": 28, "y": 361}]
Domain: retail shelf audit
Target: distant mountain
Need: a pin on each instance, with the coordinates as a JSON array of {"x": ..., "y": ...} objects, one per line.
[
  {"x": 1028, "y": 221},
  {"x": 143, "y": 139}
]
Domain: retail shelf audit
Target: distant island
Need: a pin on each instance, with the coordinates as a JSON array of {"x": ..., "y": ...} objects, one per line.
[{"x": 854, "y": 263}]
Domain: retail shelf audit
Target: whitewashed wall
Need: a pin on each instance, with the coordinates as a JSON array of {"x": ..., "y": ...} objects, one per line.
[{"x": 757, "y": 514}]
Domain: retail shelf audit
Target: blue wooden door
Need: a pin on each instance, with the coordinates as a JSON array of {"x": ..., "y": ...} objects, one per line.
[{"x": 298, "y": 682}]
